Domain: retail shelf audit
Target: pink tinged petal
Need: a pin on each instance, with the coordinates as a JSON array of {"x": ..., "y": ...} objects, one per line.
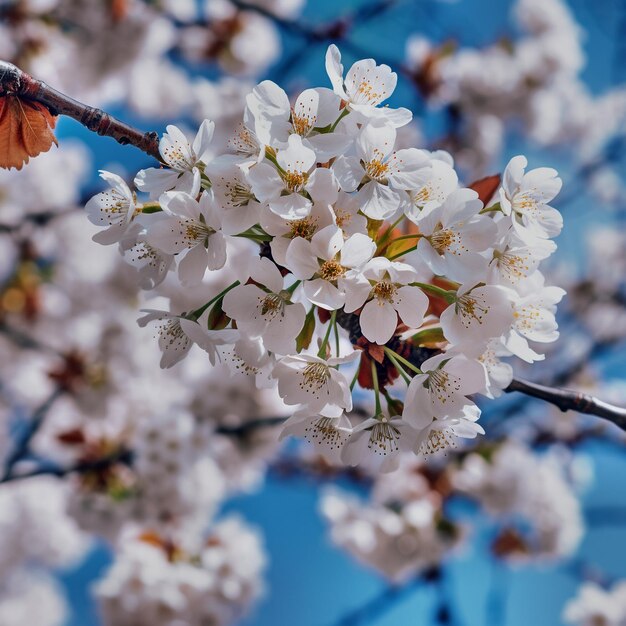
[
  {"x": 202, "y": 143},
  {"x": 192, "y": 267},
  {"x": 324, "y": 294},
  {"x": 327, "y": 242},
  {"x": 378, "y": 321},
  {"x": 469, "y": 373},
  {"x": 293, "y": 206},
  {"x": 216, "y": 251},
  {"x": 357, "y": 250},
  {"x": 380, "y": 202},
  {"x": 518, "y": 345},
  {"x": 300, "y": 260},
  {"x": 349, "y": 172},
  {"x": 265, "y": 182},
  {"x": 334, "y": 69},
  {"x": 210, "y": 211},
  {"x": 411, "y": 304}
]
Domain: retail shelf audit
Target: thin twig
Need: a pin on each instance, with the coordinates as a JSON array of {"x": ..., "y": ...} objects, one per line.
[{"x": 13, "y": 81}]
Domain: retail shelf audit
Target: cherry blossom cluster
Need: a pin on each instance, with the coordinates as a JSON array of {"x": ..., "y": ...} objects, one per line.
[
  {"x": 338, "y": 235},
  {"x": 406, "y": 526},
  {"x": 595, "y": 604}
]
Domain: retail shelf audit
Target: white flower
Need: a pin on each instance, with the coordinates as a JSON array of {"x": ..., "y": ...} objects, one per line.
[
  {"x": 285, "y": 230},
  {"x": 365, "y": 87},
  {"x": 440, "y": 435},
  {"x": 385, "y": 173},
  {"x": 313, "y": 109},
  {"x": 437, "y": 182},
  {"x": 182, "y": 159},
  {"x": 234, "y": 197},
  {"x": 114, "y": 208},
  {"x": 192, "y": 227},
  {"x": 595, "y": 606},
  {"x": 313, "y": 381},
  {"x": 442, "y": 390},
  {"x": 383, "y": 292},
  {"x": 525, "y": 197},
  {"x": 177, "y": 334},
  {"x": 324, "y": 264},
  {"x": 499, "y": 374},
  {"x": 453, "y": 234},
  {"x": 327, "y": 429},
  {"x": 379, "y": 440},
  {"x": 151, "y": 264},
  {"x": 266, "y": 312},
  {"x": 476, "y": 315},
  {"x": 514, "y": 258},
  {"x": 284, "y": 189},
  {"x": 534, "y": 318}
]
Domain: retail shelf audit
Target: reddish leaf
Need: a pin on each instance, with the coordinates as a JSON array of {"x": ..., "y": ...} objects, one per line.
[
  {"x": 486, "y": 187},
  {"x": 25, "y": 131}
]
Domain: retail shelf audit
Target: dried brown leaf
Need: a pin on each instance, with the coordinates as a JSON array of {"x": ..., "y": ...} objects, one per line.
[{"x": 25, "y": 131}]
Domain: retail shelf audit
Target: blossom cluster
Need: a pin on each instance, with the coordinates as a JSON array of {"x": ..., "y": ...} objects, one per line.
[{"x": 374, "y": 250}]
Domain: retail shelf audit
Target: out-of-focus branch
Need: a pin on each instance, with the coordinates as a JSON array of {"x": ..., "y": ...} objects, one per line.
[
  {"x": 22, "y": 444},
  {"x": 78, "y": 468},
  {"x": 13, "y": 81},
  {"x": 568, "y": 400}
]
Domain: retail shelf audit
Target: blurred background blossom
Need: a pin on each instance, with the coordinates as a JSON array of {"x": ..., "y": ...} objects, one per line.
[{"x": 135, "y": 495}]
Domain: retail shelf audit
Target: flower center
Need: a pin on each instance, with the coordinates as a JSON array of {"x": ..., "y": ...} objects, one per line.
[
  {"x": 176, "y": 157},
  {"x": 237, "y": 194},
  {"x": 514, "y": 266},
  {"x": 385, "y": 291},
  {"x": 376, "y": 168},
  {"x": 437, "y": 441},
  {"x": 302, "y": 124},
  {"x": 304, "y": 228},
  {"x": 442, "y": 385},
  {"x": 367, "y": 93},
  {"x": 525, "y": 204},
  {"x": 331, "y": 270},
  {"x": 384, "y": 437},
  {"x": 469, "y": 308},
  {"x": 324, "y": 431},
  {"x": 196, "y": 232},
  {"x": 421, "y": 197},
  {"x": 315, "y": 376},
  {"x": 244, "y": 142},
  {"x": 442, "y": 239},
  {"x": 272, "y": 306},
  {"x": 295, "y": 180}
]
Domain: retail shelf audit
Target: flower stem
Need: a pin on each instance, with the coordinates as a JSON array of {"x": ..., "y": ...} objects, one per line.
[
  {"x": 448, "y": 296},
  {"x": 322, "y": 351},
  {"x": 399, "y": 254},
  {"x": 394, "y": 355},
  {"x": 397, "y": 365},
  {"x": 194, "y": 315},
  {"x": 379, "y": 409}
]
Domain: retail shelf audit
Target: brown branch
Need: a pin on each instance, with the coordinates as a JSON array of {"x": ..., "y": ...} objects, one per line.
[
  {"x": 568, "y": 400},
  {"x": 14, "y": 81}
]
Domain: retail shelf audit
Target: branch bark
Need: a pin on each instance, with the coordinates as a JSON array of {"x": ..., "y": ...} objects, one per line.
[
  {"x": 568, "y": 400},
  {"x": 13, "y": 81}
]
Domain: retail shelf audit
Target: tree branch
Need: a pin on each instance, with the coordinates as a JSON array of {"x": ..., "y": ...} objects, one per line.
[
  {"x": 13, "y": 81},
  {"x": 568, "y": 400}
]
